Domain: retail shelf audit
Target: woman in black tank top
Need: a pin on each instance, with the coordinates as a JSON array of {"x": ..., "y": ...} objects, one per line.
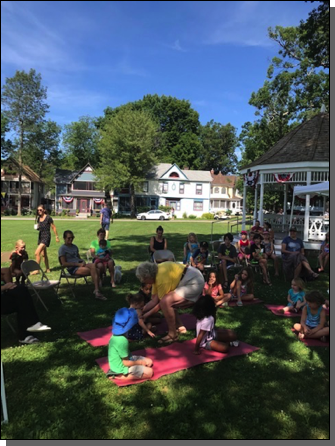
[{"x": 158, "y": 242}]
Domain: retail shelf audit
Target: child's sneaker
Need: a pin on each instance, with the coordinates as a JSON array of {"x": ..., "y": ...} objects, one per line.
[
  {"x": 225, "y": 304},
  {"x": 234, "y": 343}
]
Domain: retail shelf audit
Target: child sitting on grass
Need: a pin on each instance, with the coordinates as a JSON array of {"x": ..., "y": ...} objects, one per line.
[
  {"x": 136, "y": 333},
  {"x": 313, "y": 318},
  {"x": 208, "y": 336},
  {"x": 214, "y": 289},
  {"x": 296, "y": 296},
  {"x": 242, "y": 287},
  {"x": 124, "y": 365},
  {"x": 17, "y": 257}
]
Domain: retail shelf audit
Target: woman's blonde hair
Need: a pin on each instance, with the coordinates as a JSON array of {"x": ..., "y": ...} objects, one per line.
[{"x": 146, "y": 270}]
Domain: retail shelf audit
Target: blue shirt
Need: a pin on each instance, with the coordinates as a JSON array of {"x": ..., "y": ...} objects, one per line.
[
  {"x": 292, "y": 245},
  {"x": 106, "y": 215}
]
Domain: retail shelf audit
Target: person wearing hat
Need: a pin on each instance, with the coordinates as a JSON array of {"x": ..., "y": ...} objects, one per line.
[
  {"x": 293, "y": 255},
  {"x": 124, "y": 365}
]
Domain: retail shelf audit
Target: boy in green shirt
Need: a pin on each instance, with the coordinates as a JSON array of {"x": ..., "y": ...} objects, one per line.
[{"x": 124, "y": 365}]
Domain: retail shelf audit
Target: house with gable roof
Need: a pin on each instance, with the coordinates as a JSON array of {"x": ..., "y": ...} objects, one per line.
[
  {"x": 224, "y": 194},
  {"x": 76, "y": 190}
]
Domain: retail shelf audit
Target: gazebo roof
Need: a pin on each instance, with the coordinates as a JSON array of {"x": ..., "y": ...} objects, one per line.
[{"x": 306, "y": 143}]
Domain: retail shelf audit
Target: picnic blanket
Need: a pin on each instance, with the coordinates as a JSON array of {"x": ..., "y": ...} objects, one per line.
[
  {"x": 101, "y": 336},
  {"x": 177, "y": 356},
  {"x": 311, "y": 342}
]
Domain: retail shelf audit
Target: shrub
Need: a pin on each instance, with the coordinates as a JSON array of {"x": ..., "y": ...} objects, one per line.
[
  {"x": 184, "y": 215},
  {"x": 13, "y": 212},
  {"x": 141, "y": 209},
  {"x": 229, "y": 212},
  {"x": 164, "y": 208},
  {"x": 207, "y": 216},
  {"x": 52, "y": 213},
  {"x": 192, "y": 217},
  {"x": 6, "y": 212}
]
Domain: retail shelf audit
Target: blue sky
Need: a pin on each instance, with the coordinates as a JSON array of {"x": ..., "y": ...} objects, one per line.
[{"x": 97, "y": 54}]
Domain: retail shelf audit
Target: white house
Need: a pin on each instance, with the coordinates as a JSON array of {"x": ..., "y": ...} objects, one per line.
[
  {"x": 187, "y": 191},
  {"x": 224, "y": 194}
]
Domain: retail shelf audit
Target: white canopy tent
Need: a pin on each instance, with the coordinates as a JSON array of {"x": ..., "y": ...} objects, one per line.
[{"x": 310, "y": 189}]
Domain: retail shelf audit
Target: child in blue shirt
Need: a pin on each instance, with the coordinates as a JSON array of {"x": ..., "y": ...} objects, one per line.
[
  {"x": 296, "y": 296},
  {"x": 199, "y": 257}
]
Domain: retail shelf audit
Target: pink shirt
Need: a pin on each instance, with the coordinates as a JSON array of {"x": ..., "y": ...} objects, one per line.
[{"x": 215, "y": 290}]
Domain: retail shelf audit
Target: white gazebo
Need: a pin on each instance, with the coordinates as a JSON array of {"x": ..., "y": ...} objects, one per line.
[{"x": 300, "y": 158}]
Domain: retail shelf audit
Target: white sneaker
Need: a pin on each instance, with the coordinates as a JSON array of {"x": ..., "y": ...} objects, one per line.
[
  {"x": 38, "y": 327},
  {"x": 235, "y": 343}
]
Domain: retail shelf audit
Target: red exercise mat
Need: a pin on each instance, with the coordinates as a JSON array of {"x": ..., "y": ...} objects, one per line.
[{"x": 311, "y": 342}]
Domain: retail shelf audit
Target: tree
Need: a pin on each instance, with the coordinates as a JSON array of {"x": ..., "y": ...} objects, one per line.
[
  {"x": 80, "y": 140},
  {"x": 127, "y": 151},
  {"x": 44, "y": 154},
  {"x": 177, "y": 123},
  {"x": 219, "y": 143},
  {"x": 23, "y": 99},
  {"x": 6, "y": 144}
]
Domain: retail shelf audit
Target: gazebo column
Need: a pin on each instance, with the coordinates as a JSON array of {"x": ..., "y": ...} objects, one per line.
[
  {"x": 285, "y": 207},
  {"x": 261, "y": 200},
  {"x": 306, "y": 225},
  {"x": 244, "y": 205},
  {"x": 255, "y": 205}
]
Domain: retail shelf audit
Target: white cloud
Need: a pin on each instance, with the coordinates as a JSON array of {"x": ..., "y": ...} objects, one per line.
[{"x": 177, "y": 47}]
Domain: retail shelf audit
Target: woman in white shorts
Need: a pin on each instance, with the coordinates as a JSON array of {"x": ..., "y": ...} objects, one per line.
[{"x": 174, "y": 285}]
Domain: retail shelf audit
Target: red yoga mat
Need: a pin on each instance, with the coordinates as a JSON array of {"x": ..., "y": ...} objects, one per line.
[
  {"x": 101, "y": 336},
  {"x": 311, "y": 342},
  {"x": 275, "y": 310},
  {"x": 177, "y": 356}
]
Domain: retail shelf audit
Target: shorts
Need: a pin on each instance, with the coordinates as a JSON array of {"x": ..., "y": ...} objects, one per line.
[
  {"x": 105, "y": 226},
  {"x": 135, "y": 370},
  {"x": 208, "y": 343},
  {"x": 72, "y": 270},
  {"x": 229, "y": 264},
  {"x": 191, "y": 285}
]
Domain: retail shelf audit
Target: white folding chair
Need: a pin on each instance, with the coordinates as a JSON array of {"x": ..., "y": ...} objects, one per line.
[
  {"x": 163, "y": 255},
  {"x": 3, "y": 398},
  {"x": 27, "y": 268}
]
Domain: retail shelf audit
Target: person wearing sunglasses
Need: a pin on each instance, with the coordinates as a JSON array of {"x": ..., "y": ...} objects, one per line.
[
  {"x": 43, "y": 224},
  {"x": 69, "y": 257}
]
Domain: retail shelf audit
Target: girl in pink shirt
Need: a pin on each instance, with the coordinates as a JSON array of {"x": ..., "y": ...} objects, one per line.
[{"x": 214, "y": 289}]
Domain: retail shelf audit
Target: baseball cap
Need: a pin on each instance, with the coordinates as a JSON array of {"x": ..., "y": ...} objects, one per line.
[
  {"x": 124, "y": 320},
  {"x": 244, "y": 232}
]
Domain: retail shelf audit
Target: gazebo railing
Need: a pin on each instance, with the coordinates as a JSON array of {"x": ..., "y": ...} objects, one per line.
[{"x": 318, "y": 226}]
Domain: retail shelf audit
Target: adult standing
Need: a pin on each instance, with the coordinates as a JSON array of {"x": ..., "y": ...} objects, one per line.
[
  {"x": 44, "y": 222},
  {"x": 94, "y": 249},
  {"x": 69, "y": 257},
  {"x": 173, "y": 286},
  {"x": 106, "y": 216},
  {"x": 293, "y": 255}
]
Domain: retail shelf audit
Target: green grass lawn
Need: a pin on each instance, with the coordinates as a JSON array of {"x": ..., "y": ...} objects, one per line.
[{"x": 55, "y": 390}]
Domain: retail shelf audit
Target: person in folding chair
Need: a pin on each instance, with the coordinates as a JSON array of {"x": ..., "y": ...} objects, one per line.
[
  {"x": 69, "y": 258},
  {"x": 17, "y": 299},
  {"x": 173, "y": 286},
  {"x": 102, "y": 267},
  {"x": 227, "y": 256}
]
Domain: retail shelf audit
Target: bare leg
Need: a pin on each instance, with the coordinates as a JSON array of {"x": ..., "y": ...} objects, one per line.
[
  {"x": 297, "y": 271},
  {"x": 107, "y": 233},
  {"x": 247, "y": 297},
  {"x": 224, "y": 270},
  {"x": 225, "y": 335},
  {"x": 46, "y": 260},
  {"x": 319, "y": 334},
  {"x": 166, "y": 304},
  {"x": 111, "y": 272},
  {"x": 6, "y": 275},
  {"x": 38, "y": 254},
  {"x": 275, "y": 264},
  {"x": 90, "y": 269}
]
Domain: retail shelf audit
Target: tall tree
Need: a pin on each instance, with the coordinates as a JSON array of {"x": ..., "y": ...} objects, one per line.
[
  {"x": 127, "y": 151},
  {"x": 23, "y": 99},
  {"x": 44, "y": 154},
  {"x": 218, "y": 147},
  {"x": 177, "y": 123},
  {"x": 6, "y": 144},
  {"x": 80, "y": 140}
]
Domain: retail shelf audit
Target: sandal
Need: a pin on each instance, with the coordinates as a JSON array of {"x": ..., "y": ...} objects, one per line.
[
  {"x": 99, "y": 296},
  {"x": 168, "y": 340},
  {"x": 239, "y": 303},
  {"x": 29, "y": 340}
]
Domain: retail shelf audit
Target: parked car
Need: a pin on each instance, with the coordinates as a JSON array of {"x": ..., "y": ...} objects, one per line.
[
  {"x": 154, "y": 215},
  {"x": 220, "y": 216}
]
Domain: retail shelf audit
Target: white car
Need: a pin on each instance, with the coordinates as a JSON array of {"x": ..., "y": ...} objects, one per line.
[{"x": 154, "y": 215}]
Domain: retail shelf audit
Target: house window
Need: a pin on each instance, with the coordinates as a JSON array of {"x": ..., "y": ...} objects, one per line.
[
  {"x": 198, "y": 189},
  {"x": 178, "y": 206},
  {"x": 174, "y": 175},
  {"x": 145, "y": 186},
  {"x": 165, "y": 188},
  {"x": 224, "y": 190},
  {"x": 197, "y": 205},
  {"x": 216, "y": 190},
  {"x": 181, "y": 188},
  {"x": 234, "y": 205}
]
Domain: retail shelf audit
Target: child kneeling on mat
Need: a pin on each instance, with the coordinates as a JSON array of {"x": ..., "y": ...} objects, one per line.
[
  {"x": 209, "y": 337},
  {"x": 124, "y": 365}
]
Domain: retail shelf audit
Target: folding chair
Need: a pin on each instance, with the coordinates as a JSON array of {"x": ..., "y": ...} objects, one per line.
[
  {"x": 28, "y": 267},
  {"x": 3, "y": 398},
  {"x": 64, "y": 274},
  {"x": 163, "y": 255}
]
